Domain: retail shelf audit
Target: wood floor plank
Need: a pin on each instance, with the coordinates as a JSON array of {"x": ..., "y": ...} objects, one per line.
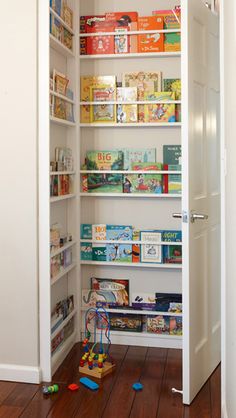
[
  {"x": 40, "y": 405},
  {"x": 17, "y": 400},
  {"x": 93, "y": 403},
  {"x": 146, "y": 402},
  {"x": 5, "y": 389},
  {"x": 215, "y": 387},
  {"x": 201, "y": 405},
  {"x": 7, "y": 411},
  {"x": 65, "y": 373},
  {"x": 170, "y": 405},
  {"x": 122, "y": 396}
]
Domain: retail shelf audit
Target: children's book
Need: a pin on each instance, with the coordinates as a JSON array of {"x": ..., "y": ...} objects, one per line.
[
  {"x": 145, "y": 183},
  {"x": 158, "y": 324},
  {"x": 172, "y": 183},
  {"x": 176, "y": 325},
  {"x": 173, "y": 85},
  {"x": 111, "y": 285},
  {"x": 86, "y": 22},
  {"x": 119, "y": 232},
  {"x": 101, "y": 44},
  {"x": 119, "y": 253},
  {"x": 145, "y": 301},
  {"x": 151, "y": 252},
  {"x": 126, "y": 322},
  {"x": 68, "y": 15},
  {"x": 104, "y": 160},
  {"x": 145, "y": 155},
  {"x": 59, "y": 108},
  {"x": 105, "y": 183},
  {"x": 152, "y": 42},
  {"x": 60, "y": 82},
  {"x": 70, "y": 112},
  {"x": 99, "y": 252},
  {"x": 86, "y": 251},
  {"x": 67, "y": 39},
  {"x": 127, "y": 20},
  {"x": 122, "y": 44},
  {"x": 101, "y": 297},
  {"x": 126, "y": 94},
  {"x": 165, "y": 300},
  {"x": 102, "y": 112},
  {"x": 127, "y": 113},
  {"x": 99, "y": 232},
  {"x": 86, "y": 231},
  {"x": 146, "y": 166},
  {"x": 159, "y": 112},
  {"x": 172, "y": 40},
  {"x": 56, "y": 6},
  {"x": 56, "y": 28},
  {"x": 136, "y": 247},
  {"x": 172, "y": 154},
  {"x": 172, "y": 253}
]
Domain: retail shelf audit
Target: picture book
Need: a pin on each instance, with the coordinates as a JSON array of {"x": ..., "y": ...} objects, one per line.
[
  {"x": 146, "y": 166},
  {"x": 56, "y": 5},
  {"x": 142, "y": 155},
  {"x": 144, "y": 183},
  {"x": 99, "y": 252},
  {"x": 119, "y": 232},
  {"x": 104, "y": 160},
  {"x": 126, "y": 94},
  {"x": 172, "y": 154},
  {"x": 86, "y": 251},
  {"x": 121, "y": 253},
  {"x": 67, "y": 38},
  {"x": 87, "y": 22},
  {"x": 122, "y": 44},
  {"x": 145, "y": 301},
  {"x": 101, "y": 44},
  {"x": 127, "y": 113},
  {"x": 126, "y": 20},
  {"x": 99, "y": 232},
  {"x": 102, "y": 297},
  {"x": 146, "y": 82},
  {"x": 152, "y": 42},
  {"x": 56, "y": 28},
  {"x": 159, "y": 112},
  {"x": 86, "y": 82},
  {"x": 165, "y": 300},
  {"x": 172, "y": 183},
  {"x": 125, "y": 322},
  {"x": 158, "y": 324},
  {"x": 102, "y": 112},
  {"x": 176, "y": 325},
  {"x": 68, "y": 15},
  {"x": 59, "y": 108},
  {"x": 60, "y": 82},
  {"x": 173, "y": 85},
  {"x": 151, "y": 252},
  {"x": 105, "y": 183},
  {"x": 86, "y": 231},
  {"x": 171, "y": 18},
  {"x": 172, "y": 253},
  {"x": 111, "y": 285},
  {"x": 136, "y": 247}
]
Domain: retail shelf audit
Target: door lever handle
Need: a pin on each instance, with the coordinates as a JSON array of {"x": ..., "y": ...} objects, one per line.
[{"x": 198, "y": 216}]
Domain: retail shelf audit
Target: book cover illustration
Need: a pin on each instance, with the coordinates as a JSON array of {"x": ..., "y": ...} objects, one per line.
[
  {"x": 172, "y": 182},
  {"x": 99, "y": 252},
  {"x": 68, "y": 15},
  {"x": 148, "y": 82},
  {"x": 173, "y": 85},
  {"x": 105, "y": 183},
  {"x": 60, "y": 81},
  {"x": 143, "y": 183},
  {"x": 145, "y": 301},
  {"x": 146, "y": 155},
  {"x": 166, "y": 301},
  {"x": 152, "y": 42},
  {"x": 125, "y": 322},
  {"x": 127, "y": 113},
  {"x": 121, "y": 41},
  {"x": 101, "y": 297},
  {"x": 126, "y": 94},
  {"x": 172, "y": 154},
  {"x": 85, "y": 23},
  {"x": 176, "y": 325},
  {"x": 159, "y": 112},
  {"x": 126, "y": 20},
  {"x": 158, "y": 324},
  {"x": 119, "y": 232},
  {"x": 102, "y": 112},
  {"x": 172, "y": 253},
  {"x": 136, "y": 247},
  {"x": 104, "y": 160},
  {"x": 67, "y": 38},
  {"x": 101, "y": 44},
  {"x": 151, "y": 252},
  {"x": 56, "y": 6},
  {"x": 99, "y": 232},
  {"x": 172, "y": 20},
  {"x": 121, "y": 253},
  {"x": 59, "y": 108},
  {"x": 111, "y": 285},
  {"x": 86, "y": 251},
  {"x": 86, "y": 231},
  {"x": 56, "y": 28},
  {"x": 146, "y": 166}
]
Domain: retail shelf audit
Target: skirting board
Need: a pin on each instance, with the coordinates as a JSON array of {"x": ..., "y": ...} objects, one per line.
[{"x": 16, "y": 373}]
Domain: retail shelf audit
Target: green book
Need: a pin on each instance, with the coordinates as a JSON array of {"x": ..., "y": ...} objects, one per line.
[{"x": 172, "y": 154}]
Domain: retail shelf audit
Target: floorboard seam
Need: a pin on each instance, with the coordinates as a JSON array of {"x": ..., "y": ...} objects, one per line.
[{"x": 162, "y": 379}]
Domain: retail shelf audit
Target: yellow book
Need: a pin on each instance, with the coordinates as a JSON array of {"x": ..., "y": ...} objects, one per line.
[{"x": 102, "y": 112}]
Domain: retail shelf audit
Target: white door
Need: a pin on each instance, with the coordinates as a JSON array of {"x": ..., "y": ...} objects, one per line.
[{"x": 201, "y": 196}]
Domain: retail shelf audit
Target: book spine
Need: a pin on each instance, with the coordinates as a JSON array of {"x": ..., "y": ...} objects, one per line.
[
  {"x": 83, "y": 41},
  {"x": 165, "y": 180}
]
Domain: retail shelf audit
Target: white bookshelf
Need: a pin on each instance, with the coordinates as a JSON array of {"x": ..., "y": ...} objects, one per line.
[{"x": 131, "y": 56}]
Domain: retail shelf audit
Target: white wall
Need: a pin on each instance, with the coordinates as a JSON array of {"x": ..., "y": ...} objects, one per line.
[
  {"x": 18, "y": 173},
  {"x": 229, "y": 287}
]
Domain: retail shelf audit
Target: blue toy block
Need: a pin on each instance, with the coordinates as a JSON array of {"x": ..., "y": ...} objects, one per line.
[
  {"x": 90, "y": 384},
  {"x": 137, "y": 386}
]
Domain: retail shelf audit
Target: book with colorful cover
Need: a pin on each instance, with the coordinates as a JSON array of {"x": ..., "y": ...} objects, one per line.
[
  {"x": 102, "y": 112},
  {"x": 136, "y": 250},
  {"x": 172, "y": 183},
  {"x": 68, "y": 15},
  {"x": 173, "y": 85},
  {"x": 87, "y": 22},
  {"x": 146, "y": 166},
  {"x": 104, "y": 160},
  {"x": 67, "y": 38},
  {"x": 127, "y": 113},
  {"x": 105, "y": 183},
  {"x": 56, "y": 28},
  {"x": 152, "y": 251},
  {"x": 122, "y": 44},
  {"x": 101, "y": 44},
  {"x": 152, "y": 42},
  {"x": 86, "y": 231},
  {"x": 99, "y": 252},
  {"x": 99, "y": 232},
  {"x": 172, "y": 254},
  {"x": 126, "y": 94},
  {"x": 59, "y": 108},
  {"x": 86, "y": 251},
  {"x": 113, "y": 285},
  {"x": 172, "y": 154},
  {"x": 92, "y": 298},
  {"x": 126, "y": 20},
  {"x": 145, "y": 183},
  {"x": 176, "y": 325},
  {"x": 164, "y": 302},
  {"x": 86, "y": 82},
  {"x": 56, "y": 5},
  {"x": 138, "y": 155},
  {"x": 159, "y": 112},
  {"x": 119, "y": 252},
  {"x": 172, "y": 20},
  {"x": 119, "y": 232},
  {"x": 158, "y": 324},
  {"x": 145, "y": 301}
]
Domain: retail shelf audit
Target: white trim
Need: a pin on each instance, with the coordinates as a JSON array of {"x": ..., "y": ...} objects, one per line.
[
  {"x": 130, "y": 55},
  {"x": 129, "y": 33},
  {"x": 224, "y": 411},
  {"x": 17, "y": 373}
]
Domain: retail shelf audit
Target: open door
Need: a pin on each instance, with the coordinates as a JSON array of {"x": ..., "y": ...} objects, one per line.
[{"x": 201, "y": 196}]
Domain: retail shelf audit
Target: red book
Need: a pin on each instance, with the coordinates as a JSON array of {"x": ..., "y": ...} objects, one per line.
[
  {"x": 101, "y": 44},
  {"x": 86, "y": 22},
  {"x": 165, "y": 179},
  {"x": 126, "y": 19}
]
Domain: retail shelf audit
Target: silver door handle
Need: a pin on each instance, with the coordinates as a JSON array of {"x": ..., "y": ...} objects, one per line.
[
  {"x": 177, "y": 215},
  {"x": 198, "y": 216}
]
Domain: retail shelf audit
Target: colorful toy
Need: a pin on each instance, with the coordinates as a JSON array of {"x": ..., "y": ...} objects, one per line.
[
  {"x": 48, "y": 390},
  {"x": 94, "y": 360},
  {"x": 137, "y": 386},
  {"x": 88, "y": 383},
  {"x": 73, "y": 387}
]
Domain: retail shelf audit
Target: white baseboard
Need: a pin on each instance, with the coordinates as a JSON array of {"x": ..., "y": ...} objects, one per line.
[
  {"x": 224, "y": 411},
  {"x": 16, "y": 373}
]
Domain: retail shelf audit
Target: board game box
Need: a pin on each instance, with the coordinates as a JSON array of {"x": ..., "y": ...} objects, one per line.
[{"x": 125, "y": 322}]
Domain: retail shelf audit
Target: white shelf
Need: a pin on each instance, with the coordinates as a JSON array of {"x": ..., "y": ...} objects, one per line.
[
  {"x": 62, "y": 122},
  {"x": 132, "y": 125},
  {"x": 59, "y": 47},
  {"x": 62, "y": 351},
  {"x": 132, "y": 265},
  {"x": 63, "y": 324},
  {"x": 129, "y": 33},
  {"x": 127, "y": 172},
  {"x": 127, "y": 242},
  {"x": 146, "y": 102},
  {"x": 55, "y": 199},
  {"x": 62, "y": 274},
  {"x": 134, "y": 195},
  {"x": 132, "y": 55},
  {"x": 138, "y": 312},
  {"x": 63, "y": 173},
  {"x": 61, "y": 249},
  {"x": 61, "y": 96},
  {"x": 61, "y": 21}
]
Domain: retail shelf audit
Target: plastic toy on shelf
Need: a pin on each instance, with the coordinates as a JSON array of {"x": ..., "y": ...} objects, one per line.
[{"x": 94, "y": 361}]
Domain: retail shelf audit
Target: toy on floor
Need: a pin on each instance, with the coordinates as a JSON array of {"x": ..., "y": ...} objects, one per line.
[
  {"x": 88, "y": 383},
  {"x": 137, "y": 386},
  {"x": 73, "y": 387},
  {"x": 94, "y": 361},
  {"x": 48, "y": 390}
]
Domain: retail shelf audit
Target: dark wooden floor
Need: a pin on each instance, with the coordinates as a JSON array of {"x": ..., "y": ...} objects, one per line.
[{"x": 158, "y": 370}]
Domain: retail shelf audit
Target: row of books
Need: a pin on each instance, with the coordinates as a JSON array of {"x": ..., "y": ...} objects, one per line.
[
  {"x": 135, "y": 86},
  {"x": 57, "y": 29},
  {"x": 62, "y": 336},
  {"x": 61, "y": 185},
  {"x": 63, "y": 10},
  {"x": 58, "y": 238},
  {"x": 135, "y": 160},
  {"x": 115, "y": 293},
  {"x": 59, "y": 107},
  {"x": 122, "y": 23},
  {"x": 149, "y": 252},
  {"x": 61, "y": 311},
  {"x": 60, "y": 83},
  {"x": 63, "y": 160},
  {"x": 60, "y": 262}
]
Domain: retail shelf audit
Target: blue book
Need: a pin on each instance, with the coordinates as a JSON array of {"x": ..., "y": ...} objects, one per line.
[
  {"x": 119, "y": 232},
  {"x": 172, "y": 253},
  {"x": 119, "y": 253}
]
